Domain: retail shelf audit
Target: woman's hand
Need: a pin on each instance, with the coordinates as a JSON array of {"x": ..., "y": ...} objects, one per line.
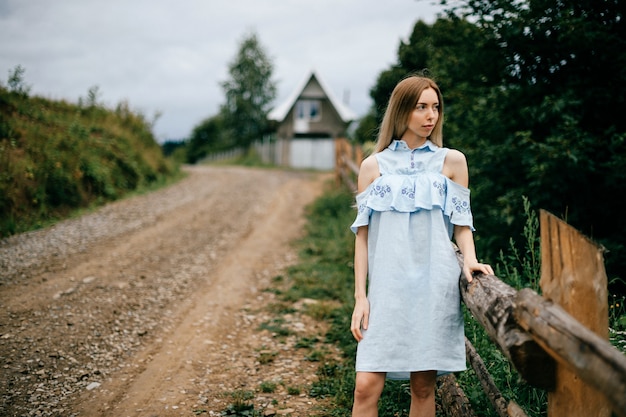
[
  {"x": 360, "y": 318},
  {"x": 471, "y": 266}
]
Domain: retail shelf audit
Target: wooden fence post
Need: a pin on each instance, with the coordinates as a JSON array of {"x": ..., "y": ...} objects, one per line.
[
  {"x": 338, "y": 160},
  {"x": 345, "y": 166},
  {"x": 573, "y": 276}
]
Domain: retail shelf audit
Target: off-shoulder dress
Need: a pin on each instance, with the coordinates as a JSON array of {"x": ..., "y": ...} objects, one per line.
[{"x": 416, "y": 322}]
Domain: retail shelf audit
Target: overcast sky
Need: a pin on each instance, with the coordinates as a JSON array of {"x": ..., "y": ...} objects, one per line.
[{"x": 170, "y": 56}]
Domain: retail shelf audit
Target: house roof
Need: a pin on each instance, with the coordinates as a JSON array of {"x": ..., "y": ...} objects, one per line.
[{"x": 279, "y": 113}]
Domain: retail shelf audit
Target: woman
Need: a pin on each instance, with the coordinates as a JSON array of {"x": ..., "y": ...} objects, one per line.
[{"x": 412, "y": 199}]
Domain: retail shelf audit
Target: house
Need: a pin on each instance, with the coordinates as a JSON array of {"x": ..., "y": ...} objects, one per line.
[{"x": 308, "y": 123}]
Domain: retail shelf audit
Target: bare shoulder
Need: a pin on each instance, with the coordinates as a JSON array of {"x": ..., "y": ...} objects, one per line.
[
  {"x": 455, "y": 156},
  {"x": 369, "y": 163},
  {"x": 455, "y": 167},
  {"x": 368, "y": 172}
]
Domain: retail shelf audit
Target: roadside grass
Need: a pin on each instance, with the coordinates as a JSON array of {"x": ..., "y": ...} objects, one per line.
[
  {"x": 58, "y": 158},
  {"x": 325, "y": 274}
]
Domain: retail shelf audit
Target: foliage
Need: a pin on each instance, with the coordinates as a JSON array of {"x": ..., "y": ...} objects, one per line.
[
  {"x": 268, "y": 386},
  {"x": 552, "y": 131},
  {"x": 209, "y": 136},
  {"x": 249, "y": 93},
  {"x": 56, "y": 157},
  {"x": 367, "y": 130},
  {"x": 242, "y": 119},
  {"x": 530, "y": 102},
  {"x": 16, "y": 81},
  {"x": 241, "y": 405},
  {"x": 521, "y": 268},
  {"x": 617, "y": 321}
]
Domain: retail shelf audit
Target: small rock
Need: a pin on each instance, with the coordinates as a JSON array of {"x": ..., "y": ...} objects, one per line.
[{"x": 93, "y": 386}]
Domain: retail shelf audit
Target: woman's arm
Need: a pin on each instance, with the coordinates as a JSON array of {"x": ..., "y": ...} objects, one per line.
[
  {"x": 360, "y": 316},
  {"x": 455, "y": 168},
  {"x": 465, "y": 241}
]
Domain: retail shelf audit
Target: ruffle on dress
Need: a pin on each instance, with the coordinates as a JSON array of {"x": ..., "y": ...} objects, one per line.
[{"x": 410, "y": 193}]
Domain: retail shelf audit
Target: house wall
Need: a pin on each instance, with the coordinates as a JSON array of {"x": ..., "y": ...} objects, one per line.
[{"x": 330, "y": 125}]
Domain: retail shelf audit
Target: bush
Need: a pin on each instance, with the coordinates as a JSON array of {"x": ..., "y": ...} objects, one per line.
[{"x": 56, "y": 157}]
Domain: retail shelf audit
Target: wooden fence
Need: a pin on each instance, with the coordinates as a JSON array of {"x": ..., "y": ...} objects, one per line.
[{"x": 557, "y": 342}]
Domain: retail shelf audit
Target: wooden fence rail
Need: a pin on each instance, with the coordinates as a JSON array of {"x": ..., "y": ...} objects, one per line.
[{"x": 535, "y": 334}]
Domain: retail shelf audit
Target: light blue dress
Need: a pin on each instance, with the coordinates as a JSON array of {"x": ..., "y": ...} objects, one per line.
[{"x": 416, "y": 322}]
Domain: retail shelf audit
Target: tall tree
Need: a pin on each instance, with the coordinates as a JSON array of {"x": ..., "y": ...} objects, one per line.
[
  {"x": 557, "y": 138},
  {"x": 208, "y": 136},
  {"x": 249, "y": 92}
]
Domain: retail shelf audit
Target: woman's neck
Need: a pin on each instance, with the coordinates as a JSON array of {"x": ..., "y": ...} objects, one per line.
[{"x": 413, "y": 141}]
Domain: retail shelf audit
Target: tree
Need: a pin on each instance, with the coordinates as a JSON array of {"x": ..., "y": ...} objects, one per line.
[
  {"x": 249, "y": 93},
  {"x": 16, "y": 81},
  {"x": 209, "y": 136},
  {"x": 556, "y": 132},
  {"x": 458, "y": 56}
]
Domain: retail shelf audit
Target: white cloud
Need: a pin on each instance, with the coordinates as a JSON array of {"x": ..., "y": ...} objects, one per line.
[{"x": 170, "y": 55}]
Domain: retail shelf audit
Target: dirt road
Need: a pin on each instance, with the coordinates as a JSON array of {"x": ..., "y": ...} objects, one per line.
[{"x": 152, "y": 306}]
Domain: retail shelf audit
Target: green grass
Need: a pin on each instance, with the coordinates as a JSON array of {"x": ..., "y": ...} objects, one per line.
[
  {"x": 57, "y": 157},
  {"x": 268, "y": 386}
]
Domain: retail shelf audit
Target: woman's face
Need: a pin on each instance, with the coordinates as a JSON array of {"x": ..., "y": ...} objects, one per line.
[{"x": 423, "y": 118}]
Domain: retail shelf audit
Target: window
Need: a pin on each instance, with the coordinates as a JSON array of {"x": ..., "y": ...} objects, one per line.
[{"x": 309, "y": 110}]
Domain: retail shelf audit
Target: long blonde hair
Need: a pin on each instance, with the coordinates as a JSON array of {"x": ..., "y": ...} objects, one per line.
[{"x": 401, "y": 103}]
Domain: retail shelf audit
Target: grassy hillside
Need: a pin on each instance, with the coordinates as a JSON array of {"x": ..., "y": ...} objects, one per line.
[{"x": 56, "y": 157}]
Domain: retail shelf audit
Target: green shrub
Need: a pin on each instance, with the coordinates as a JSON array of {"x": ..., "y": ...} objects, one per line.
[
  {"x": 268, "y": 386},
  {"x": 56, "y": 157}
]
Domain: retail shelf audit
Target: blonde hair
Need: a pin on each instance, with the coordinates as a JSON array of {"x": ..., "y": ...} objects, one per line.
[{"x": 401, "y": 103}]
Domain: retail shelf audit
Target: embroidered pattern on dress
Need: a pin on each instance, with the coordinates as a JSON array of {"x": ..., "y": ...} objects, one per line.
[
  {"x": 381, "y": 190},
  {"x": 460, "y": 206},
  {"x": 409, "y": 192},
  {"x": 440, "y": 187}
]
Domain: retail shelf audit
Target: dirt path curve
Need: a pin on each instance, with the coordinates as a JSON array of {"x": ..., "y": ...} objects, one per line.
[{"x": 151, "y": 306}]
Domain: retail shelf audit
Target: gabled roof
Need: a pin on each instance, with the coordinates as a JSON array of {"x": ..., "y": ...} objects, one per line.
[{"x": 280, "y": 112}]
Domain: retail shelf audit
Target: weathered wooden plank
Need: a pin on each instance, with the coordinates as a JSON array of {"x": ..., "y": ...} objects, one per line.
[
  {"x": 594, "y": 360},
  {"x": 491, "y": 303},
  {"x": 346, "y": 168},
  {"x": 348, "y": 181},
  {"x": 453, "y": 399},
  {"x": 573, "y": 276},
  {"x": 351, "y": 165}
]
